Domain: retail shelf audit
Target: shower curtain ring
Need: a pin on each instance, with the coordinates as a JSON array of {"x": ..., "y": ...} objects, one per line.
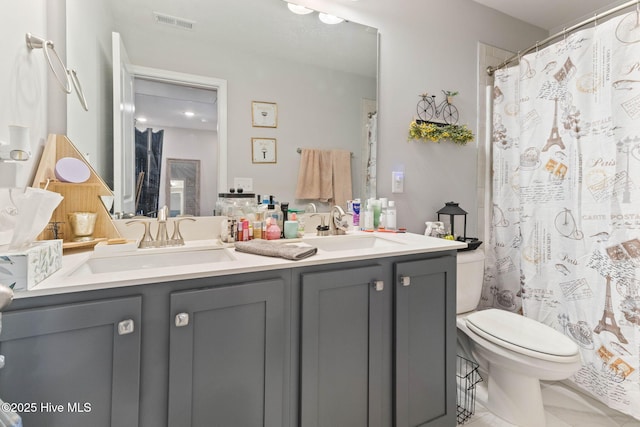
[
  {"x": 595, "y": 20},
  {"x": 539, "y": 42},
  {"x": 564, "y": 34}
]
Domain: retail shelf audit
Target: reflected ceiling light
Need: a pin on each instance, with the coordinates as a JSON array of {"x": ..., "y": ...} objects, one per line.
[
  {"x": 189, "y": 113},
  {"x": 329, "y": 19},
  {"x": 142, "y": 119},
  {"x": 299, "y": 10}
]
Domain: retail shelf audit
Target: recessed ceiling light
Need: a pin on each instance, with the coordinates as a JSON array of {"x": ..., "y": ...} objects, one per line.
[
  {"x": 189, "y": 113},
  {"x": 299, "y": 10},
  {"x": 204, "y": 120},
  {"x": 141, "y": 119},
  {"x": 329, "y": 19}
]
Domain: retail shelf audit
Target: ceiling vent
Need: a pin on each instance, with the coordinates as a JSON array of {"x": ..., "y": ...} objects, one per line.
[{"x": 174, "y": 21}]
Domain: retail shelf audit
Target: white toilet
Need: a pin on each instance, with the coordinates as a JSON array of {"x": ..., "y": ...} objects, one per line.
[{"x": 515, "y": 352}]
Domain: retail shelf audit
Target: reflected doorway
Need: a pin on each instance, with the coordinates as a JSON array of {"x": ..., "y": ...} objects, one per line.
[{"x": 187, "y": 117}]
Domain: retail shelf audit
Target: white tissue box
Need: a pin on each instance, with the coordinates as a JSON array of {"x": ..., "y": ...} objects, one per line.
[{"x": 24, "y": 269}]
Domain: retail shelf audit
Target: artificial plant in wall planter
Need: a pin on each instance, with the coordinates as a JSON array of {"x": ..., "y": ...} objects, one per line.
[{"x": 420, "y": 130}]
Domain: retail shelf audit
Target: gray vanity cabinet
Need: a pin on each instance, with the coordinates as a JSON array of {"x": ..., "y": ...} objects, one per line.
[
  {"x": 75, "y": 364},
  {"x": 425, "y": 340},
  {"x": 227, "y": 355},
  {"x": 341, "y": 364}
]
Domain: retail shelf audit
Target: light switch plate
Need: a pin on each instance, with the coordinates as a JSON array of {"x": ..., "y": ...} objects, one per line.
[
  {"x": 397, "y": 182},
  {"x": 245, "y": 183}
]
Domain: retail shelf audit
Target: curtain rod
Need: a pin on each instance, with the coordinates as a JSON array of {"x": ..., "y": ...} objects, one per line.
[{"x": 492, "y": 69}]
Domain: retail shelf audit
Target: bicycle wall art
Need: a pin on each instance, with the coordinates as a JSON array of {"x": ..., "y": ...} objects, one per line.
[{"x": 426, "y": 128}]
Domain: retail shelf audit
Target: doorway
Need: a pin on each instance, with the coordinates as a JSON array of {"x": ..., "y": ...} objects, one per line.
[{"x": 178, "y": 122}]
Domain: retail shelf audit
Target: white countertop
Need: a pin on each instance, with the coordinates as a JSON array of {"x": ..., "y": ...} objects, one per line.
[{"x": 63, "y": 282}]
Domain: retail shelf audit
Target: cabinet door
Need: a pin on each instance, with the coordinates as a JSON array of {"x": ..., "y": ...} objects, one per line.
[
  {"x": 341, "y": 359},
  {"x": 74, "y": 365},
  {"x": 226, "y": 362},
  {"x": 425, "y": 342}
]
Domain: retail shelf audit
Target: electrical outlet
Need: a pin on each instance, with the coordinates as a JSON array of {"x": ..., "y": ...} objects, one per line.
[
  {"x": 245, "y": 183},
  {"x": 397, "y": 182}
]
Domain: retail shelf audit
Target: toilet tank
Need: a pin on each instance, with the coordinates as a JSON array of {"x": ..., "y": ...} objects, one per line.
[{"x": 470, "y": 273}]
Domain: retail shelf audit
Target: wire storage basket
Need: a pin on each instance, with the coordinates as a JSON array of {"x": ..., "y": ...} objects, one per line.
[{"x": 467, "y": 376}]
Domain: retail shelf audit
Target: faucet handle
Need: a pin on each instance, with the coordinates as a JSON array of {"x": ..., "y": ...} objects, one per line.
[
  {"x": 176, "y": 237},
  {"x": 147, "y": 240}
]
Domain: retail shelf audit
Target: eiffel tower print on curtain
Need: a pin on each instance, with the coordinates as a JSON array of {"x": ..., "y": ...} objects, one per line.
[
  {"x": 554, "y": 138},
  {"x": 608, "y": 315}
]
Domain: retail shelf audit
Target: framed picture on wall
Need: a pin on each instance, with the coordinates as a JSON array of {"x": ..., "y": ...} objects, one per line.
[
  {"x": 264, "y": 114},
  {"x": 263, "y": 150}
]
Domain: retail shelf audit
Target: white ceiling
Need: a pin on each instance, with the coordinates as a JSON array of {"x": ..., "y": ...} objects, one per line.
[{"x": 552, "y": 15}]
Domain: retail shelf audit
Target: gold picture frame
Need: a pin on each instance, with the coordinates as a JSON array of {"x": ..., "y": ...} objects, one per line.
[
  {"x": 264, "y": 114},
  {"x": 264, "y": 150}
]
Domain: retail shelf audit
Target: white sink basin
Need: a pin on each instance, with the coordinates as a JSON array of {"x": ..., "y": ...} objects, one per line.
[
  {"x": 349, "y": 242},
  {"x": 141, "y": 261}
]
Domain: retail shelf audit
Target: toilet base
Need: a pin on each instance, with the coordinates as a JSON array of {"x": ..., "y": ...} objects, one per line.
[{"x": 515, "y": 398}]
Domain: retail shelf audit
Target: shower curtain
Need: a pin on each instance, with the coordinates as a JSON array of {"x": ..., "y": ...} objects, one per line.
[
  {"x": 149, "y": 165},
  {"x": 564, "y": 245}
]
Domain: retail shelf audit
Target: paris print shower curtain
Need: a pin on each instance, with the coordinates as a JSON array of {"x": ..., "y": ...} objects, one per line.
[{"x": 564, "y": 246}]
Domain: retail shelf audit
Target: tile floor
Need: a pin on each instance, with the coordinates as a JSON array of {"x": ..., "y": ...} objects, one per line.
[{"x": 564, "y": 407}]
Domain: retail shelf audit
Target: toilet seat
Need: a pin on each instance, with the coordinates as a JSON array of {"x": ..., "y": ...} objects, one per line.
[{"x": 522, "y": 335}]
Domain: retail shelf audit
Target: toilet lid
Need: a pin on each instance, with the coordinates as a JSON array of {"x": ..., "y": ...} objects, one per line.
[{"x": 519, "y": 333}]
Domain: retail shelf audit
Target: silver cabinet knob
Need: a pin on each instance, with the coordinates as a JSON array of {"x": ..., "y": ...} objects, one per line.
[
  {"x": 182, "y": 319},
  {"x": 405, "y": 280},
  {"x": 378, "y": 285},
  {"x": 126, "y": 327}
]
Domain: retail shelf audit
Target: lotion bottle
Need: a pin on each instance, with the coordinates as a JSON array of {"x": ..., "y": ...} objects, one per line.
[{"x": 273, "y": 231}]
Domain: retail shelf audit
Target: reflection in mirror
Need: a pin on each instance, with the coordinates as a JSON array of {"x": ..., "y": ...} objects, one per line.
[
  {"x": 183, "y": 189},
  {"x": 187, "y": 117},
  {"x": 148, "y": 163},
  {"x": 321, "y": 77}
]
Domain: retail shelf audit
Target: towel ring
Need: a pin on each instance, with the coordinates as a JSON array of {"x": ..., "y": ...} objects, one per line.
[
  {"x": 35, "y": 42},
  {"x": 78, "y": 88}
]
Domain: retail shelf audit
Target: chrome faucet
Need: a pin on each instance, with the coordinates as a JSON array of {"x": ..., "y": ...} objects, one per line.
[
  {"x": 338, "y": 224},
  {"x": 162, "y": 236}
]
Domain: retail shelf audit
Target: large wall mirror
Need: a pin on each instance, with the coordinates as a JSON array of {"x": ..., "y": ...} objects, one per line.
[{"x": 323, "y": 79}]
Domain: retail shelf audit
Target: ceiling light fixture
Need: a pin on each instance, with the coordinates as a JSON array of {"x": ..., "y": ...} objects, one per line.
[
  {"x": 189, "y": 113},
  {"x": 299, "y": 10},
  {"x": 329, "y": 19},
  {"x": 142, "y": 119}
]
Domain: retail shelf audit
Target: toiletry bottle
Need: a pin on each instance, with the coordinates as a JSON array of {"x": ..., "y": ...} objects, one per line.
[
  {"x": 356, "y": 213},
  {"x": 382, "y": 223},
  {"x": 368, "y": 217},
  {"x": 239, "y": 232},
  {"x": 301, "y": 227},
  {"x": 284, "y": 207},
  {"x": 391, "y": 217},
  {"x": 273, "y": 231},
  {"x": 375, "y": 204},
  {"x": 291, "y": 227},
  {"x": 257, "y": 230}
]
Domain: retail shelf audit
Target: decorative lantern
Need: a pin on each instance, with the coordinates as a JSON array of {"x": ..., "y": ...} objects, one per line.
[{"x": 452, "y": 210}]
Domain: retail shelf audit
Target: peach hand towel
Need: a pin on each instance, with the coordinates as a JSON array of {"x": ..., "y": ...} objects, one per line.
[
  {"x": 315, "y": 175},
  {"x": 341, "y": 166}
]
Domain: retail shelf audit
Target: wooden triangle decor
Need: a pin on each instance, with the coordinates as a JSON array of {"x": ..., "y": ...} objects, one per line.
[{"x": 82, "y": 197}]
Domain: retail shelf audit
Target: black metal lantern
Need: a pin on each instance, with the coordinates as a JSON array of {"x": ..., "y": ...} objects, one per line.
[{"x": 452, "y": 210}]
